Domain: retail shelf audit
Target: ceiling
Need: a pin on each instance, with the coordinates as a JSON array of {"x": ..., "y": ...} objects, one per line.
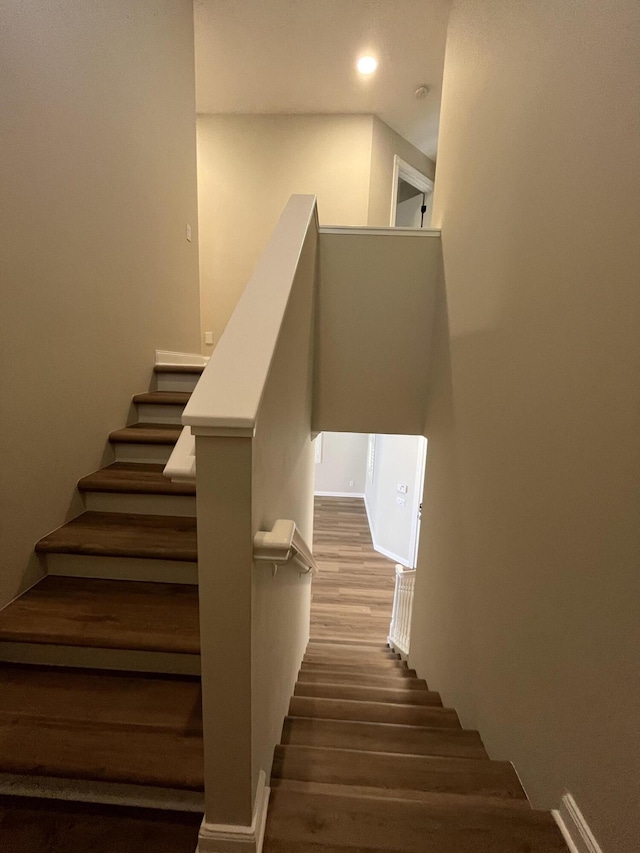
[{"x": 298, "y": 56}]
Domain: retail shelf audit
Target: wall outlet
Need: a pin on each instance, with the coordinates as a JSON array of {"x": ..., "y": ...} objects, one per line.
[
  {"x": 351, "y": 482},
  {"x": 401, "y": 501},
  {"x": 402, "y": 488},
  {"x": 188, "y": 232},
  {"x": 208, "y": 338}
]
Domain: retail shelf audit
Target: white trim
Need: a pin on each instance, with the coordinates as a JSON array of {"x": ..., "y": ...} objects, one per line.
[
  {"x": 233, "y": 838},
  {"x": 390, "y": 231},
  {"x": 417, "y": 499},
  {"x": 574, "y": 827},
  {"x": 191, "y": 359},
  {"x": 339, "y": 494},
  {"x": 404, "y": 170},
  {"x": 379, "y": 548}
]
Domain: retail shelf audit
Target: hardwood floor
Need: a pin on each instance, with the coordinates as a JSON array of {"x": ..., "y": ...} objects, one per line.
[{"x": 352, "y": 595}]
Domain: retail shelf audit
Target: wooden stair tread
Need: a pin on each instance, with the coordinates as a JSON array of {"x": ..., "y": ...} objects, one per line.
[
  {"x": 179, "y": 368},
  {"x": 359, "y": 692},
  {"x": 388, "y": 770},
  {"x": 146, "y": 433},
  {"x": 363, "y": 678},
  {"x": 134, "y": 478},
  {"x": 397, "y": 794},
  {"x": 114, "y": 534},
  {"x": 382, "y": 737},
  {"x": 374, "y": 712},
  {"x": 393, "y": 669},
  {"x": 33, "y": 825},
  {"x": 148, "y": 701},
  {"x": 107, "y": 614},
  {"x": 108, "y": 727},
  {"x": 314, "y": 823},
  {"x": 163, "y": 398}
]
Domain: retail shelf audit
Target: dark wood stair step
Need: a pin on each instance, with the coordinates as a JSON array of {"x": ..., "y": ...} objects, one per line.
[
  {"x": 333, "y": 676},
  {"x": 162, "y": 398},
  {"x": 397, "y": 794},
  {"x": 107, "y": 614},
  {"x": 77, "y": 736},
  {"x": 134, "y": 478},
  {"x": 115, "y": 534},
  {"x": 382, "y": 737},
  {"x": 393, "y": 669},
  {"x": 373, "y": 712},
  {"x": 321, "y": 823},
  {"x": 164, "y": 703},
  {"x": 391, "y": 770},
  {"x": 346, "y": 656},
  {"x": 146, "y": 433},
  {"x": 364, "y": 693},
  {"x": 364, "y": 644},
  {"x": 34, "y": 825},
  {"x": 179, "y": 368}
]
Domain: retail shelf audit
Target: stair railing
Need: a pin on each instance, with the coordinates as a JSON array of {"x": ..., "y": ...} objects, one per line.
[
  {"x": 284, "y": 544},
  {"x": 400, "y": 629}
]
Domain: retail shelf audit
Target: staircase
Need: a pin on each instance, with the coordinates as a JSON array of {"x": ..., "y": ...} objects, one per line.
[
  {"x": 371, "y": 761},
  {"x": 100, "y": 695}
]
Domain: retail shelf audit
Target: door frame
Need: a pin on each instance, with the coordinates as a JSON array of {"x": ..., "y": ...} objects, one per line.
[{"x": 404, "y": 170}]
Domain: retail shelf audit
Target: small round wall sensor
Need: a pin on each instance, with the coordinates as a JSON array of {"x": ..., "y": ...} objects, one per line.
[{"x": 421, "y": 92}]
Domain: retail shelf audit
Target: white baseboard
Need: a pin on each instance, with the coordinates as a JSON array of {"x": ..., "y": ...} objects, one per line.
[
  {"x": 574, "y": 827},
  {"x": 339, "y": 494},
  {"x": 193, "y": 359},
  {"x": 384, "y": 551},
  {"x": 231, "y": 838}
]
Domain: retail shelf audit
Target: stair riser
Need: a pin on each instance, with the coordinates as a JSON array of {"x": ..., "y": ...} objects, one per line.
[
  {"x": 150, "y": 413},
  {"x": 140, "y": 504},
  {"x": 95, "y": 658},
  {"x": 138, "y": 452},
  {"x": 123, "y": 568},
  {"x": 176, "y": 381}
]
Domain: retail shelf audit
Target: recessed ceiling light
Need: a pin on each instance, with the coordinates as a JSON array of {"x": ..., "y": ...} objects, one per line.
[{"x": 367, "y": 64}]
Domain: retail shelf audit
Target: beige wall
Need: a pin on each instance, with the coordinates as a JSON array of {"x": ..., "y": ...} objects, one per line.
[
  {"x": 343, "y": 467},
  {"x": 98, "y": 182},
  {"x": 248, "y": 166},
  {"x": 385, "y": 145},
  {"x": 375, "y": 308},
  {"x": 529, "y": 583}
]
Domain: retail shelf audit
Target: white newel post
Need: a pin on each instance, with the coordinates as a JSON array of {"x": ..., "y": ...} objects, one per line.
[{"x": 400, "y": 628}]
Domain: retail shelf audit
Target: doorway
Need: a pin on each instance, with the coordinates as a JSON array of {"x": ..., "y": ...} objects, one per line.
[{"x": 411, "y": 196}]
